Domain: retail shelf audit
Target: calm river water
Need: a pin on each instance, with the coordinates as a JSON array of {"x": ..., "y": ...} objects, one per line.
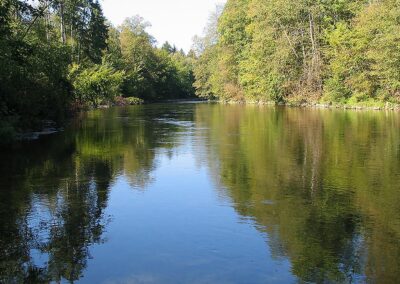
[{"x": 205, "y": 193}]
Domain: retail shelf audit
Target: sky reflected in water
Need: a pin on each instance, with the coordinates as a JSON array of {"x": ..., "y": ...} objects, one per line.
[{"x": 205, "y": 193}]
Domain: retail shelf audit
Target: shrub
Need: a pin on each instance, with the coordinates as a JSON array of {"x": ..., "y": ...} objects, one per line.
[
  {"x": 97, "y": 84},
  {"x": 121, "y": 101}
]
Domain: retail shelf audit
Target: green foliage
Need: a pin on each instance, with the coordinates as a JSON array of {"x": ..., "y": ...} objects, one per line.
[
  {"x": 169, "y": 48},
  {"x": 34, "y": 84},
  {"x": 60, "y": 54},
  {"x": 152, "y": 73},
  {"x": 134, "y": 101},
  {"x": 280, "y": 50},
  {"x": 366, "y": 56},
  {"x": 203, "y": 71},
  {"x": 97, "y": 84}
]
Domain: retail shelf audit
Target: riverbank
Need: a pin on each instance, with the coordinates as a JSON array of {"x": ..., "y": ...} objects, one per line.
[
  {"x": 50, "y": 127},
  {"x": 371, "y": 105}
]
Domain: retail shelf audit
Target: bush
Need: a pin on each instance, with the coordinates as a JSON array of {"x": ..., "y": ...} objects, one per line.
[
  {"x": 134, "y": 101},
  {"x": 335, "y": 91},
  {"x": 121, "y": 101},
  {"x": 97, "y": 84}
]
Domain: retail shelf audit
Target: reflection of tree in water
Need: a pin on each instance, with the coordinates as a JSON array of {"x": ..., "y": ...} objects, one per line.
[
  {"x": 78, "y": 222},
  {"x": 53, "y": 193},
  {"x": 314, "y": 182},
  {"x": 53, "y": 207}
]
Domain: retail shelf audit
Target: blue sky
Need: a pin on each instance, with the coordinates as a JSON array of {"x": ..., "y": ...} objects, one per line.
[{"x": 174, "y": 20}]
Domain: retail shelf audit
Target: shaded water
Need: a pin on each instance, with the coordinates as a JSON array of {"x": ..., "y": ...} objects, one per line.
[{"x": 200, "y": 193}]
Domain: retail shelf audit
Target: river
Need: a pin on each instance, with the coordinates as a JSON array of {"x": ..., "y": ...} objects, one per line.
[{"x": 205, "y": 193}]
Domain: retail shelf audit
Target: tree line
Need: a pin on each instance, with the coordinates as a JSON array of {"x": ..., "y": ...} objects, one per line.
[
  {"x": 58, "y": 56},
  {"x": 329, "y": 51}
]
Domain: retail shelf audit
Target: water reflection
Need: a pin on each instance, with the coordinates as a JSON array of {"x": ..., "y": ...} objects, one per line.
[
  {"x": 53, "y": 192},
  {"x": 324, "y": 185},
  {"x": 321, "y": 187}
]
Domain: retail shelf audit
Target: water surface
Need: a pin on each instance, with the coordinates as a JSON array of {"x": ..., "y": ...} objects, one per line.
[{"x": 205, "y": 193}]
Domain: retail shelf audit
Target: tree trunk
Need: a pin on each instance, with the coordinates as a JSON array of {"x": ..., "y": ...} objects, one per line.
[
  {"x": 311, "y": 21},
  {"x": 47, "y": 22},
  {"x": 314, "y": 68},
  {"x": 62, "y": 23}
]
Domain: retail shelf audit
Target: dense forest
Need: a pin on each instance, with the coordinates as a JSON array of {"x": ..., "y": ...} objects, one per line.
[
  {"x": 302, "y": 52},
  {"x": 60, "y": 56}
]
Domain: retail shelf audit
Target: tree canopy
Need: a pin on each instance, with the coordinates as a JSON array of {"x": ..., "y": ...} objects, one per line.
[
  {"x": 58, "y": 56},
  {"x": 335, "y": 51}
]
